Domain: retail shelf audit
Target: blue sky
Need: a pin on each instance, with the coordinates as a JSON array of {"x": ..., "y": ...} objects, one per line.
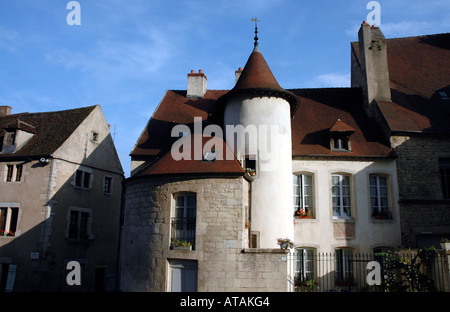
[{"x": 126, "y": 54}]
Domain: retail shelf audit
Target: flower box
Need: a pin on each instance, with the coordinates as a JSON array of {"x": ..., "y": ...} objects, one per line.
[{"x": 181, "y": 247}]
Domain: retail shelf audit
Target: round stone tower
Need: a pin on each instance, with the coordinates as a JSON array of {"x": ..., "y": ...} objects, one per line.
[{"x": 257, "y": 122}]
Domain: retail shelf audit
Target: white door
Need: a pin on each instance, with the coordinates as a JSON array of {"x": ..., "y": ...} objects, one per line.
[{"x": 183, "y": 276}]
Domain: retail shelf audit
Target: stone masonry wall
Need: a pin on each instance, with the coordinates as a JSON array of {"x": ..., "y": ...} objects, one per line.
[
  {"x": 422, "y": 207},
  {"x": 221, "y": 238}
]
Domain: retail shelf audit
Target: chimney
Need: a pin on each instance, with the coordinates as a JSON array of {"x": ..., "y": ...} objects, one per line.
[
  {"x": 196, "y": 87},
  {"x": 5, "y": 110},
  {"x": 238, "y": 74},
  {"x": 374, "y": 67}
]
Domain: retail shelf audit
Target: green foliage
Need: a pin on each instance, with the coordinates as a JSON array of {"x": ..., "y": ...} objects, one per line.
[{"x": 408, "y": 273}]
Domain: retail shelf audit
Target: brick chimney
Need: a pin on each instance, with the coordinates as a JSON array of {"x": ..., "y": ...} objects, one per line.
[
  {"x": 374, "y": 67},
  {"x": 238, "y": 74},
  {"x": 196, "y": 87},
  {"x": 5, "y": 110}
]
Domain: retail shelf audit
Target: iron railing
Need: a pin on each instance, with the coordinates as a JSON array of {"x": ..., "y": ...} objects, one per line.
[
  {"x": 348, "y": 272},
  {"x": 183, "y": 230}
]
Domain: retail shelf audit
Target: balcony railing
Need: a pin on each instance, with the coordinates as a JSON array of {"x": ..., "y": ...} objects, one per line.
[{"x": 183, "y": 229}]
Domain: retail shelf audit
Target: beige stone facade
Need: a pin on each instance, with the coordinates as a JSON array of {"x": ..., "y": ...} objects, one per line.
[
  {"x": 68, "y": 204},
  {"x": 220, "y": 252}
]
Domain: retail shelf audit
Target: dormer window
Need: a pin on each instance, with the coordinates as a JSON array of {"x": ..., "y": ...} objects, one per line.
[
  {"x": 340, "y": 143},
  {"x": 340, "y": 134},
  {"x": 209, "y": 156},
  {"x": 443, "y": 95},
  {"x": 9, "y": 138}
]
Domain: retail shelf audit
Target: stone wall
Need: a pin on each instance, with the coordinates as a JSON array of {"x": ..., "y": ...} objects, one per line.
[
  {"x": 422, "y": 207},
  {"x": 221, "y": 237}
]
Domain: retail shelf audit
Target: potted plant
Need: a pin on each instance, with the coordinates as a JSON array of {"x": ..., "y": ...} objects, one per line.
[
  {"x": 183, "y": 245},
  {"x": 285, "y": 243},
  {"x": 250, "y": 171},
  {"x": 303, "y": 213},
  {"x": 302, "y": 285}
]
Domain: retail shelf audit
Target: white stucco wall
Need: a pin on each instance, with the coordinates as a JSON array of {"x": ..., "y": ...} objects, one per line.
[
  {"x": 272, "y": 195},
  {"x": 369, "y": 233}
]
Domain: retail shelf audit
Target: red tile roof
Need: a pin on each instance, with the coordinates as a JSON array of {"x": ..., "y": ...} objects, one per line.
[
  {"x": 418, "y": 68},
  {"x": 311, "y": 125},
  {"x": 256, "y": 74},
  {"x": 319, "y": 111},
  {"x": 167, "y": 165}
]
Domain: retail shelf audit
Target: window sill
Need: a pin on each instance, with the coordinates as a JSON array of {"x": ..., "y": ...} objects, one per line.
[{"x": 344, "y": 220}]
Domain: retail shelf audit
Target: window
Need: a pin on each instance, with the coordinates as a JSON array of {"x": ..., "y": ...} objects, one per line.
[
  {"x": 304, "y": 268},
  {"x": 10, "y": 138},
  {"x": 250, "y": 165},
  {"x": 343, "y": 262},
  {"x": 303, "y": 196},
  {"x": 340, "y": 143},
  {"x": 444, "y": 168},
  {"x": 107, "y": 185},
  {"x": 379, "y": 196},
  {"x": 443, "y": 95},
  {"x": 83, "y": 179},
  {"x": 184, "y": 218},
  {"x": 209, "y": 156},
  {"x": 9, "y": 173},
  {"x": 94, "y": 136},
  {"x": 341, "y": 195},
  {"x": 8, "y": 221},
  {"x": 79, "y": 224}
]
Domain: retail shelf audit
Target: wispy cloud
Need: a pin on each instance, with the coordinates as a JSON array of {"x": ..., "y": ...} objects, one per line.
[
  {"x": 8, "y": 39},
  {"x": 330, "y": 80}
]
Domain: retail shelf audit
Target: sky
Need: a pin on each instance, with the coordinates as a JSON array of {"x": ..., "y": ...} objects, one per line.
[{"x": 124, "y": 55}]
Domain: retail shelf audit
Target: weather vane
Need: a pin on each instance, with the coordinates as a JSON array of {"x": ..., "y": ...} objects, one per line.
[{"x": 256, "y": 20}]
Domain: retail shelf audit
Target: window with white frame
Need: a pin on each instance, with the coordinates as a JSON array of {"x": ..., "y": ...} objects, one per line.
[
  {"x": 379, "y": 196},
  {"x": 303, "y": 195},
  {"x": 304, "y": 267},
  {"x": 8, "y": 220},
  {"x": 341, "y": 195},
  {"x": 184, "y": 218},
  {"x": 14, "y": 173},
  {"x": 79, "y": 224},
  {"x": 83, "y": 178}
]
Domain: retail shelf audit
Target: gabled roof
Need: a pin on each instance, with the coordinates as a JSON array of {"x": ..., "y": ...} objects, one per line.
[
  {"x": 419, "y": 67},
  {"x": 320, "y": 110},
  {"x": 51, "y": 129}
]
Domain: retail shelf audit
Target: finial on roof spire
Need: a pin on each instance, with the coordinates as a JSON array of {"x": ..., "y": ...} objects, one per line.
[{"x": 256, "y": 30}]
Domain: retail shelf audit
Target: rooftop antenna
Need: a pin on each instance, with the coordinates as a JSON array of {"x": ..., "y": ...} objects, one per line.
[{"x": 256, "y": 20}]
